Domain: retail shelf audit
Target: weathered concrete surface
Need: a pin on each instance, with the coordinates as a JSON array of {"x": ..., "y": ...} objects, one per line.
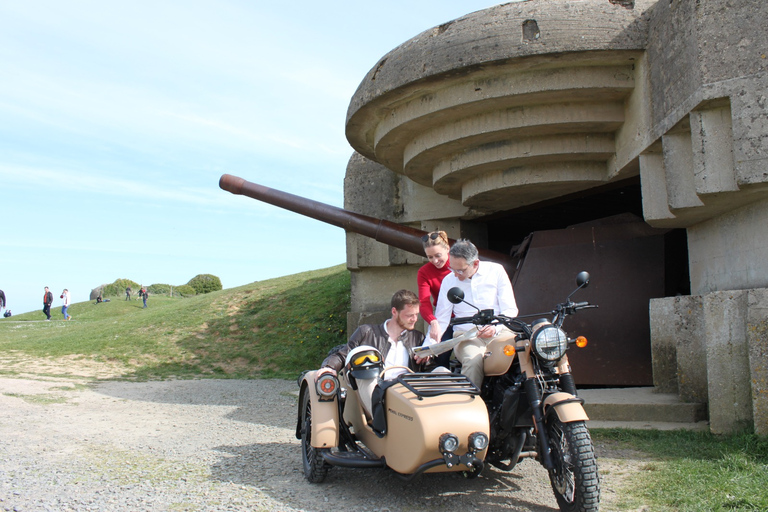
[
  {"x": 511, "y": 105},
  {"x": 757, "y": 341},
  {"x": 730, "y": 252},
  {"x": 730, "y": 398},
  {"x": 714, "y": 348},
  {"x": 678, "y": 347}
]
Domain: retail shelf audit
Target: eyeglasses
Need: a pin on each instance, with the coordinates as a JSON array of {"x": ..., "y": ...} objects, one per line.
[
  {"x": 432, "y": 236},
  {"x": 462, "y": 271},
  {"x": 361, "y": 359}
]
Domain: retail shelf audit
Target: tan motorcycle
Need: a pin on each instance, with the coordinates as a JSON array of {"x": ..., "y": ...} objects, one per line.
[{"x": 528, "y": 407}]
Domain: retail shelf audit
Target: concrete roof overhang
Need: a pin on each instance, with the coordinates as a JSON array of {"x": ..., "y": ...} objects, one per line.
[{"x": 507, "y": 106}]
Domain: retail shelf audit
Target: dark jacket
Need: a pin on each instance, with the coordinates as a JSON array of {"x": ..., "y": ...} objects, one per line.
[
  {"x": 2, "y": 299},
  {"x": 48, "y": 298},
  {"x": 377, "y": 337}
]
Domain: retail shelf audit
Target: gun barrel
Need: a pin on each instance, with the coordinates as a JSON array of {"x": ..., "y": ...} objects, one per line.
[{"x": 384, "y": 231}]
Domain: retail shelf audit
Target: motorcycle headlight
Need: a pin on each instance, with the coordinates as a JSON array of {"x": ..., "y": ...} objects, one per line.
[
  {"x": 478, "y": 441},
  {"x": 448, "y": 443},
  {"x": 550, "y": 343}
]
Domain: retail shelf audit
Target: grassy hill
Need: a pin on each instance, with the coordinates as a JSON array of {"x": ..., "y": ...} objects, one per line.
[{"x": 267, "y": 329}]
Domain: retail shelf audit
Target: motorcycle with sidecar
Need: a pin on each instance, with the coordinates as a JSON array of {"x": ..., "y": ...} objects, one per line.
[{"x": 526, "y": 407}]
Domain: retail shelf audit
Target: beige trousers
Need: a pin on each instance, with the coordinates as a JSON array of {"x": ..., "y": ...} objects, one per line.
[{"x": 471, "y": 354}]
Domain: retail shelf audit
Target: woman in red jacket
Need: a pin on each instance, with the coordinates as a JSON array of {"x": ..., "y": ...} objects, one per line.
[{"x": 429, "y": 277}]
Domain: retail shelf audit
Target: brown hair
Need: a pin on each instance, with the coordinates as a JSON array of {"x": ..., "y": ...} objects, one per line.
[
  {"x": 435, "y": 238},
  {"x": 403, "y": 298}
]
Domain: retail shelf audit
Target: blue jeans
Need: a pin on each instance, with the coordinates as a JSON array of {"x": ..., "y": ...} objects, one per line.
[
  {"x": 64, "y": 311},
  {"x": 145, "y": 301}
]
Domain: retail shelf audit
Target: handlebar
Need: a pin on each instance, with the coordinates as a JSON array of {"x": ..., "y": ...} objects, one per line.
[{"x": 487, "y": 317}]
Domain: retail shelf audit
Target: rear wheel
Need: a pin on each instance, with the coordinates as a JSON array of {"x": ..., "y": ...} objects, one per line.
[
  {"x": 315, "y": 467},
  {"x": 574, "y": 478}
]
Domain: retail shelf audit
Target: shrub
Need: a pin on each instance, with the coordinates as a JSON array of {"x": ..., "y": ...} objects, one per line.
[
  {"x": 205, "y": 283},
  {"x": 184, "y": 290},
  {"x": 159, "y": 289},
  {"x": 117, "y": 288}
]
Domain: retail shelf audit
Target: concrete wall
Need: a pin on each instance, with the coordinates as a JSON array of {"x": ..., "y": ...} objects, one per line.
[
  {"x": 730, "y": 252},
  {"x": 709, "y": 83},
  {"x": 714, "y": 348}
]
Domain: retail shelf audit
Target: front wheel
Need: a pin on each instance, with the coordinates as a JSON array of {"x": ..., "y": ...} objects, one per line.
[
  {"x": 574, "y": 477},
  {"x": 315, "y": 467}
]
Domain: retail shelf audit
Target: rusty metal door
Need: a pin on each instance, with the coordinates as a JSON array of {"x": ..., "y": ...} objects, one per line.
[{"x": 626, "y": 264}]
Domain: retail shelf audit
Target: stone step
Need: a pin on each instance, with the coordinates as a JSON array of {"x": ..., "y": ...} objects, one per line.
[{"x": 641, "y": 408}]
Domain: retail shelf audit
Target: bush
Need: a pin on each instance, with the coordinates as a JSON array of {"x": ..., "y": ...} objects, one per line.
[
  {"x": 205, "y": 283},
  {"x": 117, "y": 289},
  {"x": 184, "y": 290},
  {"x": 159, "y": 289}
]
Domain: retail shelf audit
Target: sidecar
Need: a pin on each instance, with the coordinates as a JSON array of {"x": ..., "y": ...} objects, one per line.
[{"x": 413, "y": 423}]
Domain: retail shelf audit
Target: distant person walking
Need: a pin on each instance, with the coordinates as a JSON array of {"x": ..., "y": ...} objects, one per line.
[
  {"x": 47, "y": 301},
  {"x": 143, "y": 293},
  {"x": 65, "y": 295},
  {"x": 128, "y": 293}
]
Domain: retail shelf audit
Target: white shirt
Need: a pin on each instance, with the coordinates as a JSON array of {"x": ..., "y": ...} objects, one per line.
[
  {"x": 397, "y": 356},
  {"x": 488, "y": 288}
]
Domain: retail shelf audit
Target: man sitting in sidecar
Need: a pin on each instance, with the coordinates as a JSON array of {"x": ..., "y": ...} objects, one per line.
[
  {"x": 394, "y": 339},
  {"x": 373, "y": 405}
]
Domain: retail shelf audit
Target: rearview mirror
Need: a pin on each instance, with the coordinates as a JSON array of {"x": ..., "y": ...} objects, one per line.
[
  {"x": 455, "y": 295},
  {"x": 582, "y": 280}
]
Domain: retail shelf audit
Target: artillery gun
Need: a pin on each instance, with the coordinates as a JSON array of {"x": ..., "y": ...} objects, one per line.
[{"x": 627, "y": 258}]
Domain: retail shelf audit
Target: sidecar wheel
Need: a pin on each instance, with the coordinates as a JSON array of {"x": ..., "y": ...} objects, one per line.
[
  {"x": 574, "y": 479},
  {"x": 315, "y": 467}
]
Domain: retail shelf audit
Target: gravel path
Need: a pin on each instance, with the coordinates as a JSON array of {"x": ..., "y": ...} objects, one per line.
[{"x": 211, "y": 445}]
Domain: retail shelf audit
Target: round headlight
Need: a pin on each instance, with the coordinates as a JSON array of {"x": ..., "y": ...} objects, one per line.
[
  {"x": 448, "y": 443},
  {"x": 550, "y": 343},
  {"x": 478, "y": 441}
]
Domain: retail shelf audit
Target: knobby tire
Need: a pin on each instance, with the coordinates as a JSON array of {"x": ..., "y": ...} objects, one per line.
[
  {"x": 315, "y": 467},
  {"x": 575, "y": 479}
]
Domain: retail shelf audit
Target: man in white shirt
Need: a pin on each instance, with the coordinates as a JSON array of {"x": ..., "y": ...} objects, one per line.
[{"x": 486, "y": 285}]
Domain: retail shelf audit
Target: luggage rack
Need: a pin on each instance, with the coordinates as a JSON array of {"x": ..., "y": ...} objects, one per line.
[{"x": 435, "y": 384}]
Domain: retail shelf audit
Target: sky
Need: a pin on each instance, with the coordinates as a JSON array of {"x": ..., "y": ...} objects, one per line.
[{"x": 117, "y": 120}]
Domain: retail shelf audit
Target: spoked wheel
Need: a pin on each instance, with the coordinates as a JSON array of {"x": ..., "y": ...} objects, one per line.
[
  {"x": 315, "y": 467},
  {"x": 574, "y": 478}
]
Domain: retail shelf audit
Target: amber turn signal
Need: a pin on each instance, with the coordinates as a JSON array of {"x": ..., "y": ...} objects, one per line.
[
  {"x": 509, "y": 350},
  {"x": 581, "y": 342}
]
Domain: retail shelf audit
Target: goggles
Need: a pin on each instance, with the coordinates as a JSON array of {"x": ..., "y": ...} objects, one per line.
[
  {"x": 430, "y": 236},
  {"x": 363, "y": 358}
]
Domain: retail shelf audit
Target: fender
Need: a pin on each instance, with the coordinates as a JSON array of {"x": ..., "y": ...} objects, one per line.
[
  {"x": 567, "y": 407},
  {"x": 325, "y": 415}
]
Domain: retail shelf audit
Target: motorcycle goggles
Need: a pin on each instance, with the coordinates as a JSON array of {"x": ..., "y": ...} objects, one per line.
[{"x": 365, "y": 358}]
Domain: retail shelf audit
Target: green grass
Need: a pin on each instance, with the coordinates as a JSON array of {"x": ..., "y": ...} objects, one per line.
[
  {"x": 280, "y": 327},
  {"x": 694, "y": 471},
  {"x": 268, "y": 329}
]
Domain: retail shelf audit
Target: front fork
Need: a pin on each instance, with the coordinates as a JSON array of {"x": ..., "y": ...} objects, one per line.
[{"x": 534, "y": 398}]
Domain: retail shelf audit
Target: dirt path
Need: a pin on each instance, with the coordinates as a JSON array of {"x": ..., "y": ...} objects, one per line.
[{"x": 215, "y": 445}]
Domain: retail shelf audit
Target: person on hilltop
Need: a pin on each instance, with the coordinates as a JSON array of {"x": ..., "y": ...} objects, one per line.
[
  {"x": 128, "y": 293},
  {"x": 144, "y": 294},
  {"x": 2, "y": 300},
  {"x": 47, "y": 301},
  {"x": 65, "y": 295}
]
